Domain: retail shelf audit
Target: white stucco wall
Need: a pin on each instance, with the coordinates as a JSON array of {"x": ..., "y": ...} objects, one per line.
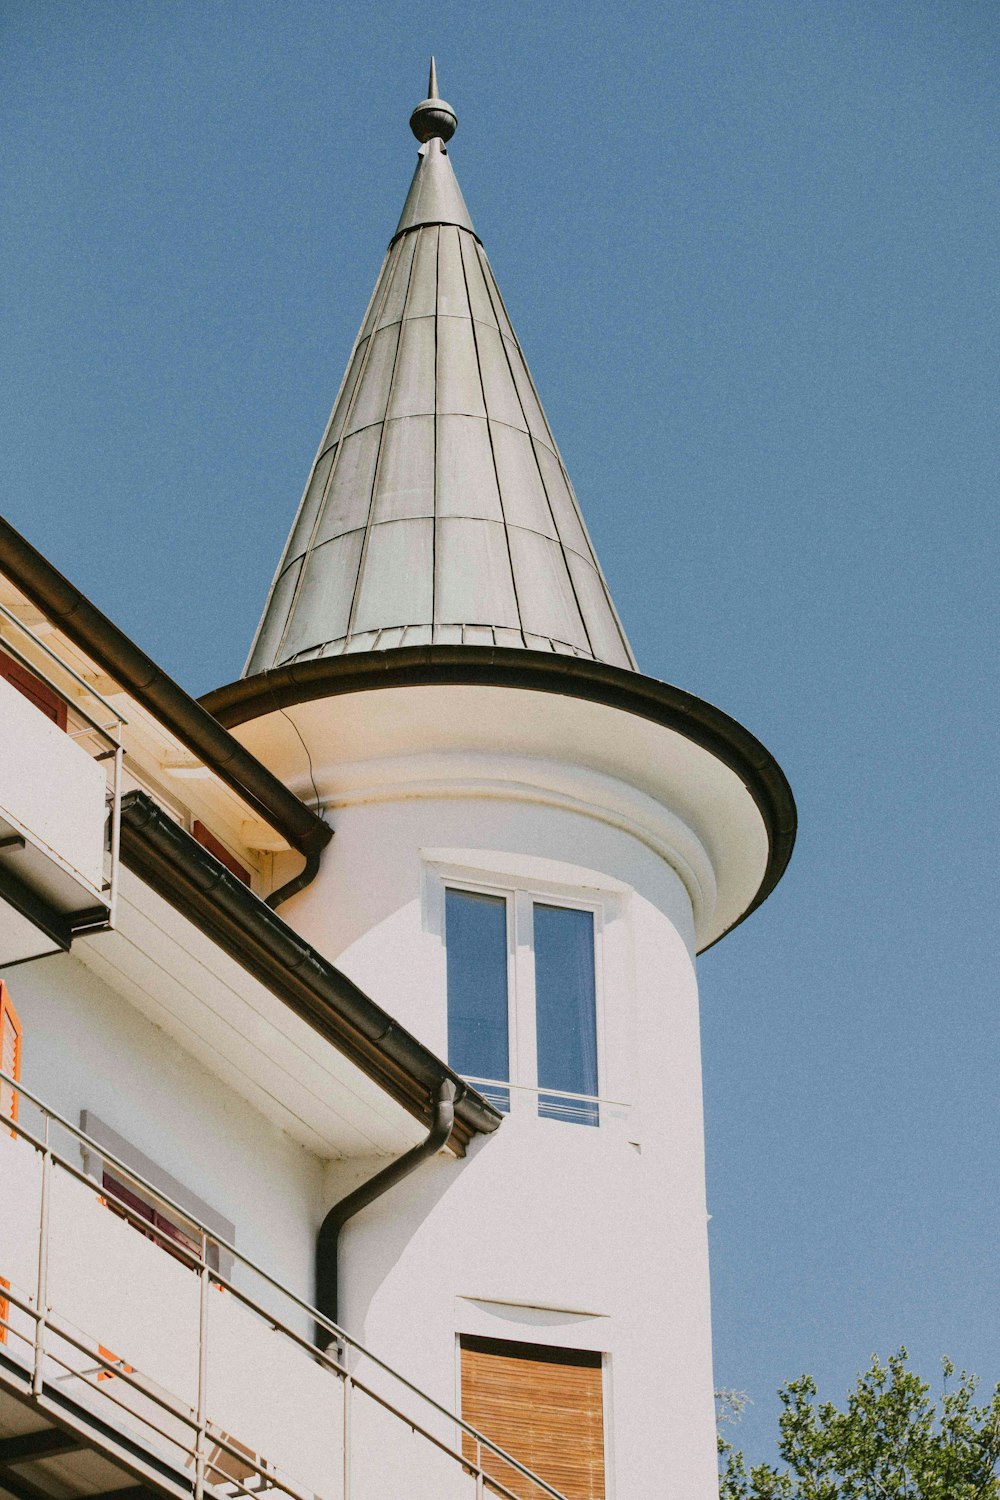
[
  {"x": 85, "y": 1047},
  {"x": 548, "y": 1232}
]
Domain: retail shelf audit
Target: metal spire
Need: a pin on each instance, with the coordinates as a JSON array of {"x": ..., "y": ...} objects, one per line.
[
  {"x": 433, "y": 118},
  {"x": 438, "y": 509}
]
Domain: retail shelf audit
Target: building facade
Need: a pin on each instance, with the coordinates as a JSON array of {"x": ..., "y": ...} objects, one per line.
[{"x": 357, "y": 1144}]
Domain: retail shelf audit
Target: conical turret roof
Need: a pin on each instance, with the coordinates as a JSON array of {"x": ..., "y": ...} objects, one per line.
[{"x": 438, "y": 509}]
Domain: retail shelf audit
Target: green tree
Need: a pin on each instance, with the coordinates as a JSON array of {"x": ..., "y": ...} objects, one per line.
[{"x": 891, "y": 1442}]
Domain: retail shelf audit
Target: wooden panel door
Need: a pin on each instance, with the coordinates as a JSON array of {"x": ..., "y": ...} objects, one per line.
[{"x": 544, "y": 1406}]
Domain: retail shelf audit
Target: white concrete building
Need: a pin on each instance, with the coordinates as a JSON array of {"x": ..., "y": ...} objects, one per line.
[{"x": 350, "y": 1016}]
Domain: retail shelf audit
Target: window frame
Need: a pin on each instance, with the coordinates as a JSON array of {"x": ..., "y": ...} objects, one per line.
[
  {"x": 148, "y": 1171},
  {"x": 521, "y": 894},
  {"x": 513, "y": 1024}
]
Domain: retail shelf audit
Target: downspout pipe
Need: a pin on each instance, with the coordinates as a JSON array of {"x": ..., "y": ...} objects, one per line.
[
  {"x": 297, "y": 883},
  {"x": 328, "y": 1240},
  {"x": 190, "y": 879}
]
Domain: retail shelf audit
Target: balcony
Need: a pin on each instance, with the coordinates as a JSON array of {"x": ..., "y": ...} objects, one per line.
[
  {"x": 133, "y": 1338},
  {"x": 60, "y": 788}
]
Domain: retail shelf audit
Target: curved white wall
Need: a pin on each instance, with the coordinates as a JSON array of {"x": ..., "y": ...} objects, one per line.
[{"x": 548, "y": 1231}]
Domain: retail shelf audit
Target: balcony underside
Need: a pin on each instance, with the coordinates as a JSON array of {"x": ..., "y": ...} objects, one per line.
[
  {"x": 34, "y": 920},
  {"x": 53, "y": 1448}
]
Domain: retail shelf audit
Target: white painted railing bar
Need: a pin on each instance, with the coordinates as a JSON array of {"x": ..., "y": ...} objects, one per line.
[
  {"x": 109, "y": 736},
  {"x": 63, "y": 666},
  {"x": 42, "y": 1318},
  {"x": 135, "y": 1380},
  {"x": 101, "y": 1363},
  {"x": 41, "y": 1290},
  {"x": 588, "y": 1109},
  {"x": 537, "y": 1088}
]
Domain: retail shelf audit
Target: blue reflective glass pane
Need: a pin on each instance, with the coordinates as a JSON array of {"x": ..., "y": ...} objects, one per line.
[
  {"x": 476, "y": 944},
  {"x": 566, "y": 1011}
]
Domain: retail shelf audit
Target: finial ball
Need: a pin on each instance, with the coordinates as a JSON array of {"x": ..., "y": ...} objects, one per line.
[{"x": 433, "y": 118}]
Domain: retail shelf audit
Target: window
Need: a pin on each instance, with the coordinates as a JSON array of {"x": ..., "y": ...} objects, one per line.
[
  {"x": 165, "y": 1230},
  {"x": 565, "y": 1009},
  {"x": 478, "y": 1002},
  {"x": 34, "y": 689},
  {"x": 168, "y": 1227},
  {"x": 543, "y": 1406},
  {"x": 523, "y": 1001}
]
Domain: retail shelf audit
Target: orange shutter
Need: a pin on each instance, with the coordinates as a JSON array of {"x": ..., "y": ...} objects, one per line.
[
  {"x": 10, "y": 1062},
  {"x": 544, "y": 1406},
  {"x": 10, "y": 1053}
]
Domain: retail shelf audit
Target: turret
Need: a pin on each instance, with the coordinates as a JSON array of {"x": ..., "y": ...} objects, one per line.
[{"x": 532, "y": 843}]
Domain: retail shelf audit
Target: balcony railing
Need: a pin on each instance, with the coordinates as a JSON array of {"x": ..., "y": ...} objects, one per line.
[
  {"x": 554, "y": 1104},
  {"x": 211, "y": 1382},
  {"x": 60, "y": 793}
]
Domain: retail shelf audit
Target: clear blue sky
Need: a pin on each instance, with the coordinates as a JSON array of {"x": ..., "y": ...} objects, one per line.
[{"x": 750, "y": 247}]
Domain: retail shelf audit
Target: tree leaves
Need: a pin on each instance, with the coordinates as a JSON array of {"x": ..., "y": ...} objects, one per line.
[{"x": 891, "y": 1442}]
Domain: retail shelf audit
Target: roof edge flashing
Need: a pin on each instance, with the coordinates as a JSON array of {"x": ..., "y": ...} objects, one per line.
[
  {"x": 185, "y": 717},
  {"x": 706, "y": 726},
  {"x": 190, "y": 879}
]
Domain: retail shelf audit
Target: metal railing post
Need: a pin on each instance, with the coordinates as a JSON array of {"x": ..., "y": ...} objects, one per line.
[
  {"x": 42, "y": 1287},
  {"x": 116, "y": 825},
  {"x": 199, "y": 1441},
  {"x": 348, "y": 1387},
  {"x": 178, "y": 1405}
]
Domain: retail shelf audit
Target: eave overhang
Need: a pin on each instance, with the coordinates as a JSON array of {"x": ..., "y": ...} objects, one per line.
[
  {"x": 114, "y": 653},
  {"x": 191, "y": 880},
  {"x": 660, "y": 703}
]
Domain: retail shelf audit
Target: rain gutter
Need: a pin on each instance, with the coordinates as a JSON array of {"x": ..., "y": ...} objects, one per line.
[
  {"x": 193, "y": 881},
  {"x": 328, "y": 1239},
  {"x": 543, "y": 672},
  {"x": 194, "y": 726}
]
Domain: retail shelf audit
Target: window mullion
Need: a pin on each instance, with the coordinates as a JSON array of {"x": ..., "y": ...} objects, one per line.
[{"x": 524, "y": 985}]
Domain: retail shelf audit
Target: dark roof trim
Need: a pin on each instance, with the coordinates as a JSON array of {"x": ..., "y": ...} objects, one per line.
[
  {"x": 194, "y": 726},
  {"x": 180, "y": 870},
  {"x": 543, "y": 672},
  {"x": 432, "y": 224}
]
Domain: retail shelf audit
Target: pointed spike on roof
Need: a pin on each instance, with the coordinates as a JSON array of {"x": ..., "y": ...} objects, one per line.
[
  {"x": 438, "y": 510},
  {"x": 435, "y": 196},
  {"x": 433, "y": 119}
]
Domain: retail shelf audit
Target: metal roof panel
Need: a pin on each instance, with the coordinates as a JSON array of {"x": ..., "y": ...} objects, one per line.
[{"x": 418, "y": 508}]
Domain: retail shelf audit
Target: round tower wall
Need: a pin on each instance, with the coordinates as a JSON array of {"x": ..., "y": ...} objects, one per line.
[{"x": 550, "y": 1231}]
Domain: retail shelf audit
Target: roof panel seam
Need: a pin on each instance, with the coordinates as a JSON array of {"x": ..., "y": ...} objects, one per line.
[
  {"x": 434, "y": 528},
  {"x": 320, "y": 453},
  {"x": 385, "y": 281},
  {"x": 541, "y": 476},
  {"x": 362, "y": 560},
  {"x": 496, "y": 468}
]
